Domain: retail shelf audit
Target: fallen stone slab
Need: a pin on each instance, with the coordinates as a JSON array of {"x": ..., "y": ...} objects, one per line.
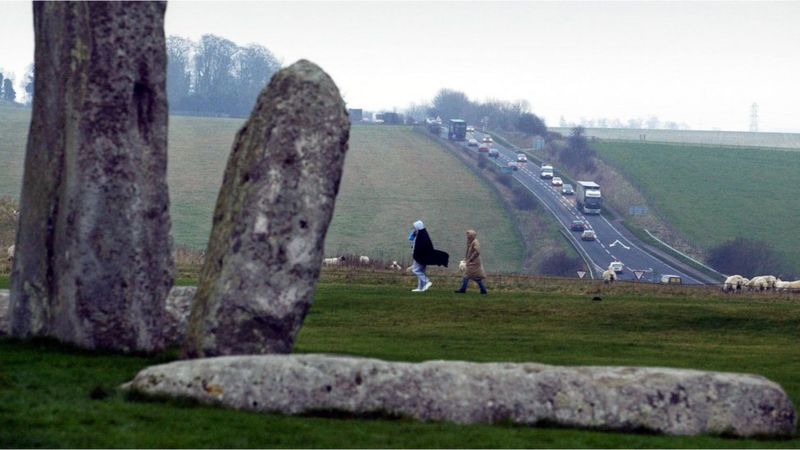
[
  {"x": 670, "y": 401},
  {"x": 177, "y": 308}
]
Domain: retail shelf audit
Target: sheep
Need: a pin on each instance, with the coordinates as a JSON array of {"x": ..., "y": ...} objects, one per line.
[
  {"x": 734, "y": 283},
  {"x": 763, "y": 282},
  {"x": 781, "y": 285},
  {"x": 333, "y": 261},
  {"x": 395, "y": 266},
  {"x": 609, "y": 276},
  {"x": 363, "y": 259}
]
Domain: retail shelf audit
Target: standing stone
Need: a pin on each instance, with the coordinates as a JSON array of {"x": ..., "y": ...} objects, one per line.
[
  {"x": 272, "y": 214},
  {"x": 94, "y": 262}
]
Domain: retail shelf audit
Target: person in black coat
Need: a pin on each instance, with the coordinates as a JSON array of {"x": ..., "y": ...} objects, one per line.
[{"x": 424, "y": 255}]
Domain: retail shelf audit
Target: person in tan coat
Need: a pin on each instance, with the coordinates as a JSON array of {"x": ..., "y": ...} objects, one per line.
[{"x": 474, "y": 267}]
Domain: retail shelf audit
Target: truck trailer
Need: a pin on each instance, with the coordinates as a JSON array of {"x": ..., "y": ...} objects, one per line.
[
  {"x": 588, "y": 197},
  {"x": 457, "y": 130}
]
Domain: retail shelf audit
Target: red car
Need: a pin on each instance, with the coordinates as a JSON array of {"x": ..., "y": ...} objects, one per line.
[{"x": 577, "y": 225}]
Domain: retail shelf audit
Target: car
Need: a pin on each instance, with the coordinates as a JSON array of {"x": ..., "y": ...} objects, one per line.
[
  {"x": 557, "y": 181},
  {"x": 513, "y": 165},
  {"x": 616, "y": 266},
  {"x": 588, "y": 235},
  {"x": 487, "y": 139},
  {"x": 470, "y": 129},
  {"x": 484, "y": 148},
  {"x": 521, "y": 157},
  {"x": 577, "y": 225},
  {"x": 671, "y": 279},
  {"x": 567, "y": 189},
  {"x": 472, "y": 142},
  {"x": 494, "y": 153}
]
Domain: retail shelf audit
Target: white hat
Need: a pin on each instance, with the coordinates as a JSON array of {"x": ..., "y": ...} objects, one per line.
[{"x": 418, "y": 225}]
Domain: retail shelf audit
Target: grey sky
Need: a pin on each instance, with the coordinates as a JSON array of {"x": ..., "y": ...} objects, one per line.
[{"x": 699, "y": 63}]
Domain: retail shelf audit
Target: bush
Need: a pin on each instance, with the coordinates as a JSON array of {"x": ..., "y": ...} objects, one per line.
[
  {"x": 523, "y": 198},
  {"x": 747, "y": 257},
  {"x": 505, "y": 179},
  {"x": 482, "y": 161},
  {"x": 560, "y": 264}
]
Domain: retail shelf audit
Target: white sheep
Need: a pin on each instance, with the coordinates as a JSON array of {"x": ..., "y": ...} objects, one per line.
[
  {"x": 762, "y": 282},
  {"x": 786, "y": 285},
  {"x": 395, "y": 266},
  {"x": 10, "y": 253},
  {"x": 734, "y": 283},
  {"x": 609, "y": 276},
  {"x": 333, "y": 261},
  {"x": 363, "y": 259},
  {"x": 781, "y": 285}
]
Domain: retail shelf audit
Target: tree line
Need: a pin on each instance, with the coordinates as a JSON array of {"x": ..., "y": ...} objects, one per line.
[
  {"x": 215, "y": 76},
  {"x": 495, "y": 114},
  {"x": 8, "y": 94}
]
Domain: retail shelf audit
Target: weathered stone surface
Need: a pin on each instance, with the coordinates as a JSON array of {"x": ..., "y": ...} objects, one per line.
[
  {"x": 680, "y": 402},
  {"x": 178, "y": 309},
  {"x": 271, "y": 217},
  {"x": 93, "y": 259},
  {"x": 4, "y": 325}
]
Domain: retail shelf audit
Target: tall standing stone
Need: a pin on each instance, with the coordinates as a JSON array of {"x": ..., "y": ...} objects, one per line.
[
  {"x": 272, "y": 214},
  {"x": 94, "y": 263}
]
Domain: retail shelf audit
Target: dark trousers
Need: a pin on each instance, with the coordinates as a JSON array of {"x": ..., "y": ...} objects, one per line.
[{"x": 465, "y": 283}]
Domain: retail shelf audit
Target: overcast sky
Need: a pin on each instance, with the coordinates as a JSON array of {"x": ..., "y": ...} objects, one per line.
[{"x": 699, "y": 63}]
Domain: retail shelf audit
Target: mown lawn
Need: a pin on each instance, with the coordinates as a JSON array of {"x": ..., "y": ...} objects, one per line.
[
  {"x": 713, "y": 195},
  {"x": 54, "y": 396},
  {"x": 392, "y": 177}
]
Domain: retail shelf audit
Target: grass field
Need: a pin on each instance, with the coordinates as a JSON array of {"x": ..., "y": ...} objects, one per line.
[
  {"x": 53, "y": 396},
  {"x": 392, "y": 177},
  {"x": 704, "y": 137},
  {"x": 716, "y": 194}
]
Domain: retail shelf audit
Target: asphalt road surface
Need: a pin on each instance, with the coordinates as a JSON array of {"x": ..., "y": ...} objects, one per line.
[{"x": 609, "y": 245}]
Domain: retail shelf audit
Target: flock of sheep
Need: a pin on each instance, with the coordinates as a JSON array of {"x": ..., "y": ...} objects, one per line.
[
  {"x": 737, "y": 283},
  {"x": 734, "y": 283},
  {"x": 362, "y": 260}
]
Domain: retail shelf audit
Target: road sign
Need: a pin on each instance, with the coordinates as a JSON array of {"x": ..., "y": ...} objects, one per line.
[
  {"x": 637, "y": 210},
  {"x": 581, "y": 274},
  {"x": 638, "y": 274},
  {"x": 620, "y": 243},
  {"x": 506, "y": 170}
]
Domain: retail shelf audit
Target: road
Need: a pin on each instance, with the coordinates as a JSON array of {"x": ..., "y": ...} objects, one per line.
[{"x": 610, "y": 245}]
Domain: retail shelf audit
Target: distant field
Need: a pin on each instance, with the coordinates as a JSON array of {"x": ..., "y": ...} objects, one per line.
[
  {"x": 392, "y": 177},
  {"x": 729, "y": 138},
  {"x": 54, "y": 396},
  {"x": 716, "y": 194}
]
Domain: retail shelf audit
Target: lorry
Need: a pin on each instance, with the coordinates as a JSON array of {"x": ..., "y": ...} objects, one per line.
[
  {"x": 434, "y": 125},
  {"x": 457, "y": 130},
  {"x": 547, "y": 171},
  {"x": 588, "y": 197}
]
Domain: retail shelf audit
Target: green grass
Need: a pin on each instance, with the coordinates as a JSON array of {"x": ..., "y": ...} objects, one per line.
[
  {"x": 716, "y": 194},
  {"x": 392, "y": 177},
  {"x": 46, "y": 390}
]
